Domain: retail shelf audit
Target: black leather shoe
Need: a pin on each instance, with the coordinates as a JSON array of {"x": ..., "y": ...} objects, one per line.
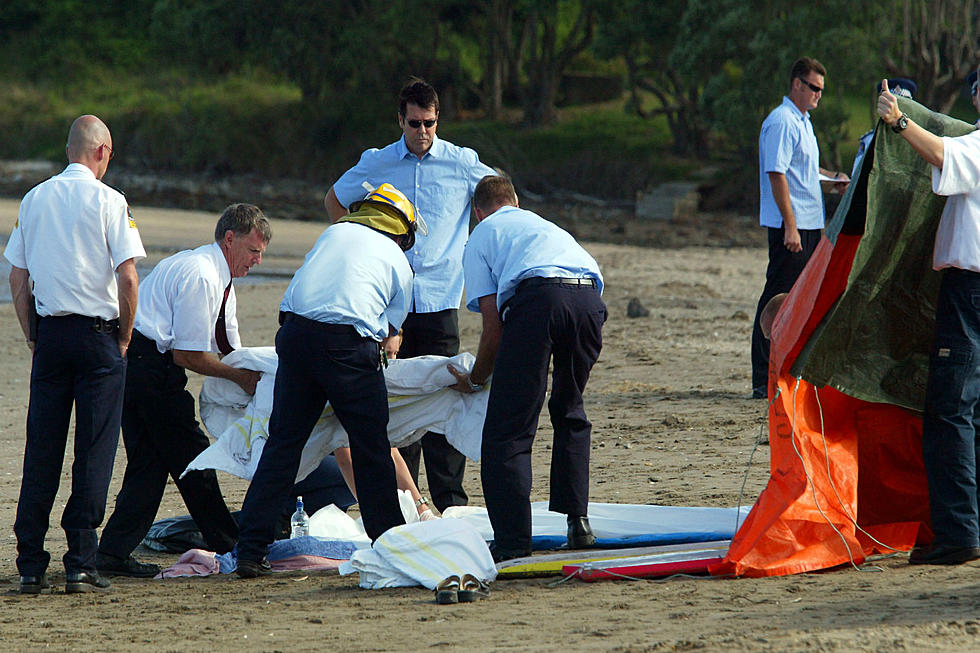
[
  {"x": 944, "y": 554},
  {"x": 34, "y": 584},
  {"x": 110, "y": 565},
  {"x": 253, "y": 568},
  {"x": 499, "y": 554},
  {"x": 579, "y": 533},
  {"x": 78, "y": 582}
]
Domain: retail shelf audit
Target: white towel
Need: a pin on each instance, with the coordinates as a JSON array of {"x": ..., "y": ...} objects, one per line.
[
  {"x": 418, "y": 401},
  {"x": 424, "y": 553}
]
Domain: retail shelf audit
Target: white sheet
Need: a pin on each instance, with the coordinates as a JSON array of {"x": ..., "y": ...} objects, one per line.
[{"x": 418, "y": 401}]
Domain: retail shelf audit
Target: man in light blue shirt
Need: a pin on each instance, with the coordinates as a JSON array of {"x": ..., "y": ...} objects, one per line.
[
  {"x": 328, "y": 348},
  {"x": 438, "y": 177},
  {"x": 791, "y": 203},
  {"x": 539, "y": 294}
]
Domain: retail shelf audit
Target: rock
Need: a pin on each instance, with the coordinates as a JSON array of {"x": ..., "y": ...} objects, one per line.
[
  {"x": 636, "y": 309},
  {"x": 740, "y": 315}
]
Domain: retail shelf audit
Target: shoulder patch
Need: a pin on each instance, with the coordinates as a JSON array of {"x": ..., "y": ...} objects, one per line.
[{"x": 129, "y": 214}]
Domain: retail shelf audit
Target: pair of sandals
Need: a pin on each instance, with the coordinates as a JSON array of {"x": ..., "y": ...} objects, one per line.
[{"x": 467, "y": 589}]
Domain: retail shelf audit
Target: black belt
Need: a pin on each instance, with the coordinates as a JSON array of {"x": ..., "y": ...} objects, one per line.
[
  {"x": 97, "y": 323},
  {"x": 534, "y": 282},
  {"x": 141, "y": 346},
  {"x": 345, "y": 329}
]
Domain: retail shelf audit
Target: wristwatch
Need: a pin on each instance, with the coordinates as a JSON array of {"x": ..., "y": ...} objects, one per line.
[
  {"x": 475, "y": 387},
  {"x": 901, "y": 123}
]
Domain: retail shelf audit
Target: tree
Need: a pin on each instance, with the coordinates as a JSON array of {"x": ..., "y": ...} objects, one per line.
[
  {"x": 936, "y": 43},
  {"x": 635, "y": 30},
  {"x": 555, "y": 31}
]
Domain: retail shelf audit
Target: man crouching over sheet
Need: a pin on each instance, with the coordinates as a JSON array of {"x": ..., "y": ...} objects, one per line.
[{"x": 353, "y": 290}]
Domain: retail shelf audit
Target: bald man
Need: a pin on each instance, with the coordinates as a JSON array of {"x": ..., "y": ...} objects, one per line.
[{"x": 76, "y": 241}]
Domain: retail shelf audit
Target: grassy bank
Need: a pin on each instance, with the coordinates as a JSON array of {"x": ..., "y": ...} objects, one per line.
[{"x": 253, "y": 123}]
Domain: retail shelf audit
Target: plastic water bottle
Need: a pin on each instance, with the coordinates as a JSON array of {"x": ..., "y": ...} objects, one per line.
[{"x": 299, "y": 523}]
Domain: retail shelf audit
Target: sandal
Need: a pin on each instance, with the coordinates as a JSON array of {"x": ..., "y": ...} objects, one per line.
[
  {"x": 447, "y": 591},
  {"x": 472, "y": 589}
]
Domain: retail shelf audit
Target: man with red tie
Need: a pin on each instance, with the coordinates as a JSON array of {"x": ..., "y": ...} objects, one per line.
[{"x": 186, "y": 315}]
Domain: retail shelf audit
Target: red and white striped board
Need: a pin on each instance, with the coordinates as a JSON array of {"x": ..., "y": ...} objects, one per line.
[{"x": 692, "y": 558}]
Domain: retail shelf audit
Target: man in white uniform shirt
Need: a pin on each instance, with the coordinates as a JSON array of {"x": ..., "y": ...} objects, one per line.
[
  {"x": 353, "y": 291},
  {"x": 949, "y": 423},
  {"x": 186, "y": 316},
  {"x": 77, "y": 242}
]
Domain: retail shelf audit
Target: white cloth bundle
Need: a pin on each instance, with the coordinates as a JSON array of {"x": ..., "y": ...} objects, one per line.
[
  {"x": 423, "y": 553},
  {"x": 419, "y": 400}
]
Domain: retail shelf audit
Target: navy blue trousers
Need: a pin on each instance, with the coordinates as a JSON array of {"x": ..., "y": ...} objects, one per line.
[
  {"x": 73, "y": 365},
  {"x": 782, "y": 272},
  {"x": 562, "y": 324},
  {"x": 950, "y": 424},
  {"x": 162, "y": 437},
  {"x": 435, "y": 334},
  {"x": 318, "y": 363}
]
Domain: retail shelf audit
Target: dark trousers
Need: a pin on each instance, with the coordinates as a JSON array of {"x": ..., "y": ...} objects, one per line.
[
  {"x": 73, "y": 365},
  {"x": 162, "y": 437},
  {"x": 784, "y": 269},
  {"x": 950, "y": 423},
  {"x": 563, "y": 323},
  {"x": 435, "y": 334},
  {"x": 318, "y": 363}
]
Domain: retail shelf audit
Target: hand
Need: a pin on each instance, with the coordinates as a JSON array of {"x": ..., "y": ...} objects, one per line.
[
  {"x": 791, "y": 239},
  {"x": 391, "y": 345},
  {"x": 888, "y": 105},
  {"x": 462, "y": 380},
  {"x": 247, "y": 380},
  {"x": 844, "y": 181}
]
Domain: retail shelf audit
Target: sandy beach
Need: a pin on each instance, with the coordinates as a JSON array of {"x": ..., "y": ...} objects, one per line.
[{"x": 673, "y": 425}]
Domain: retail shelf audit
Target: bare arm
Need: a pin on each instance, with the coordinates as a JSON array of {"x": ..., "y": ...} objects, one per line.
[
  {"x": 402, "y": 476},
  {"x": 780, "y": 193},
  {"x": 926, "y": 144},
  {"x": 335, "y": 209},
  {"x": 128, "y": 282},
  {"x": 20, "y": 293},
  {"x": 487, "y": 352},
  {"x": 208, "y": 364}
]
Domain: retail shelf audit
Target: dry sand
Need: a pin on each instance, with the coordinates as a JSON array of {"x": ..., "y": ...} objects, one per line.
[{"x": 672, "y": 426}]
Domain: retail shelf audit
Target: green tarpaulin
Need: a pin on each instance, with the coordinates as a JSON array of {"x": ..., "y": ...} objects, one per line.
[{"x": 874, "y": 343}]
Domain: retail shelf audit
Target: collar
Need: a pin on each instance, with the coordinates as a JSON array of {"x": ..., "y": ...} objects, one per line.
[
  {"x": 402, "y": 149},
  {"x": 220, "y": 263},
  {"x": 78, "y": 170},
  {"x": 805, "y": 115}
]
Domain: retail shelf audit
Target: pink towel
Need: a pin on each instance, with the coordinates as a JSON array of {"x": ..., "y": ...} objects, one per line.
[{"x": 195, "y": 562}]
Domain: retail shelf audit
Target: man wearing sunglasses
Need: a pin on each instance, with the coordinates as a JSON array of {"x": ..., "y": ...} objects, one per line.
[
  {"x": 439, "y": 179},
  {"x": 791, "y": 202}
]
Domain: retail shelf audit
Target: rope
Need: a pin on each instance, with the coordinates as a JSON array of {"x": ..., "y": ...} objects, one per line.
[{"x": 748, "y": 467}]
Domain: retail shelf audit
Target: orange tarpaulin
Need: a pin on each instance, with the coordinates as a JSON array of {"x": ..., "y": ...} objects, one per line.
[{"x": 819, "y": 440}]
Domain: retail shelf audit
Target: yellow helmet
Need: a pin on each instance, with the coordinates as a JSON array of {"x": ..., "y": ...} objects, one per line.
[{"x": 387, "y": 195}]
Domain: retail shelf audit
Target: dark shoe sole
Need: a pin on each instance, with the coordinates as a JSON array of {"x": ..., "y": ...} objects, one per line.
[
  {"x": 581, "y": 542},
  {"x": 127, "y": 574},
  {"x": 84, "y": 588},
  {"x": 951, "y": 558},
  {"x": 252, "y": 570},
  {"x": 34, "y": 589}
]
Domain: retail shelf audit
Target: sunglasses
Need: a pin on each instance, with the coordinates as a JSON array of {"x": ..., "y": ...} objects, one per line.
[
  {"x": 813, "y": 87},
  {"x": 415, "y": 124},
  {"x": 973, "y": 89}
]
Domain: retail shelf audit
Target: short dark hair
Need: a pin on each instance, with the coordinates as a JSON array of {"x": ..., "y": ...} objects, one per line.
[
  {"x": 804, "y": 66},
  {"x": 492, "y": 192},
  {"x": 418, "y": 92},
  {"x": 241, "y": 219}
]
